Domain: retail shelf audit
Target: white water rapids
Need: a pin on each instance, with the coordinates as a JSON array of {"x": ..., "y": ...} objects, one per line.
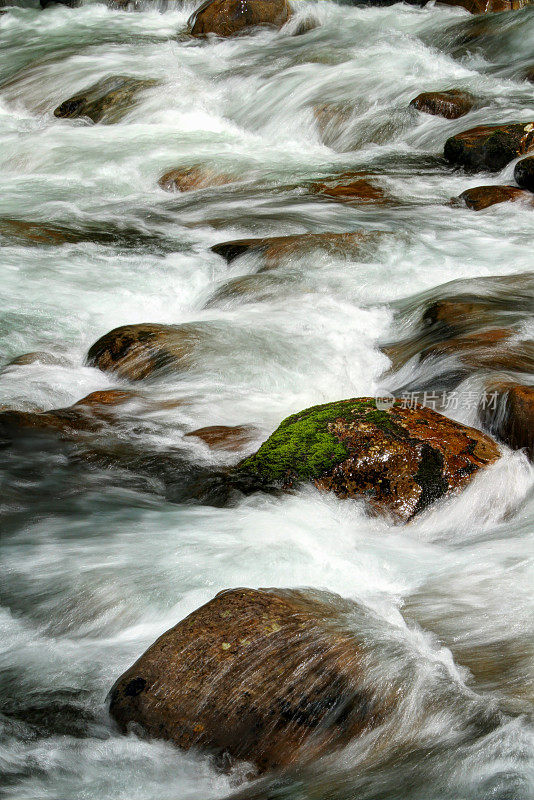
[{"x": 94, "y": 569}]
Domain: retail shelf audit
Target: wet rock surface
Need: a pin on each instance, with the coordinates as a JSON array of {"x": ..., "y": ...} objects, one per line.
[
  {"x": 352, "y": 187},
  {"x": 275, "y": 248},
  {"x": 511, "y": 417},
  {"x": 193, "y": 178},
  {"x": 400, "y": 459},
  {"x": 489, "y": 148},
  {"x": 481, "y": 197},
  {"x": 260, "y": 675},
  {"x": 139, "y": 351},
  {"x": 524, "y": 173},
  {"x": 226, "y": 437},
  {"x": 106, "y": 101},
  {"x": 231, "y": 17},
  {"x": 450, "y": 104}
]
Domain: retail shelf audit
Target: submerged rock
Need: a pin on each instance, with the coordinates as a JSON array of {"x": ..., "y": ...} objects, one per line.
[
  {"x": 266, "y": 676},
  {"x": 524, "y": 173},
  {"x": 480, "y": 197},
  {"x": 89, "y": 414},
  {"x": 399, "y": 459},
  {"x": 192, "y": 178},
  {"x": 37, "y": 357},
  {"x": 511, "y": 417},
  {"x": 351, "y": 187},
  {"x": 226, "y": 437},
  {"x": 487, "y": 6},
  {"x": 276, "y": 248},
  {"x": 107, "y": 100},
  {"x": 138, "y": 351},
  {"x": 495, "y": 349},
  {"x": 489, "y": 148},
  {"x": 230, "y": 17},
  {"x": 451, "y": 104}
]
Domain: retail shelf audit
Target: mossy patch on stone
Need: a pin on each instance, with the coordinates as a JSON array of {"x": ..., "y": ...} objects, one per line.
[{"x": 304, "y": 447}]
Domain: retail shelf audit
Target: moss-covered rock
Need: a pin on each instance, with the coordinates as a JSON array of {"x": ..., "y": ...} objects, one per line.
[{"x": 400, "y": 459}]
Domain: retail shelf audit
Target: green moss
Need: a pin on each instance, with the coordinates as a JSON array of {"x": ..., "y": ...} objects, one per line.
[{"x": 303, "y": 446}]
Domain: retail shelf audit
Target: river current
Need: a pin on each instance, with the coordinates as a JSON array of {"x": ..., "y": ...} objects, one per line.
[{"x": 96, "y": 565}]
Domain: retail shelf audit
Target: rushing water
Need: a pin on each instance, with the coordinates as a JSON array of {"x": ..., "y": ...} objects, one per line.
[{"x": 96, "y": 565}]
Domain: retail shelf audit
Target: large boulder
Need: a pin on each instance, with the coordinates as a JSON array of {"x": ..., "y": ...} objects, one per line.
[
  {"x": 487, "y": 6},
  {"x": 507, "y": 411},
  {"x": 230, "y": 17},
  {"x": 524, "y": 173},
  {"x": 275, "y": 248},
  {"x": 139, "y": 351},
  {"x": 450, "y": 104},
  {"x": 266, "y": 676},
  {"x": 107, "y": 100},
  {"x": 400, "y": 459},
  {"x": 489, "y": 148},
  {"x": 481, "y": 197}
]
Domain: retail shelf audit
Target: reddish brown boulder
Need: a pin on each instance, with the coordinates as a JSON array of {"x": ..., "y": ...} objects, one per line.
[
  {"x": 450, "y": 104},
  {"x": 230, "y": 17},
  {"x": 511, "y": 417},
  {"x": 524, "y": 174},
  {"x": 275, "y": 248},
  {"x": 226, "y": 437},
  {"x": 351, "y": 187},
  {"x": 399, "y": 459},
  {"x": 266, "y": 676},
  {"x": 481, "y": 197},
  {"x": 489, "y": 148},
  {"x": 193, "y": 178},
  {"x": 139, "y": 351}
]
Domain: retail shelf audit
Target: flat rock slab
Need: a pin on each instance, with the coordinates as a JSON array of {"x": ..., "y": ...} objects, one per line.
[
  {"x": 275, "y": 248},
  {"x": 480, "y": 197},
  {"x": 261, "y": 675},
  {"x": 399, "y": 459}
]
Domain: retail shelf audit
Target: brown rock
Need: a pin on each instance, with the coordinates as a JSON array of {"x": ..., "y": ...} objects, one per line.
[
  {"x": 226, "y": 437},
  {"x": 275, "y": 248},
  {"x": 351, "y": 187},
  {"x": 261, "y": 675},
  {"x": 489, "y": 148},
  {"x": 399, "y": 459},
  {"x": 87, "y": 415},
  {"x": 529, "y": 75},
  {"x": 481, "y": 197},
  {"x": 490, "y": 349},
  {"x": 106, "y": 101},
  {"x": 189, "y": 180},
  {"x": 37, "y": 357},
  {"x": 487, "y": 6},
  {"x": 450, "y": 104},
  {"x": 139, "y": 351},
  {"x": 511, "y": 417},
  {"x": 230, "y": 17},
  {"x": 524, "y": 174},
  {"x": 331, "y": 119}
]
